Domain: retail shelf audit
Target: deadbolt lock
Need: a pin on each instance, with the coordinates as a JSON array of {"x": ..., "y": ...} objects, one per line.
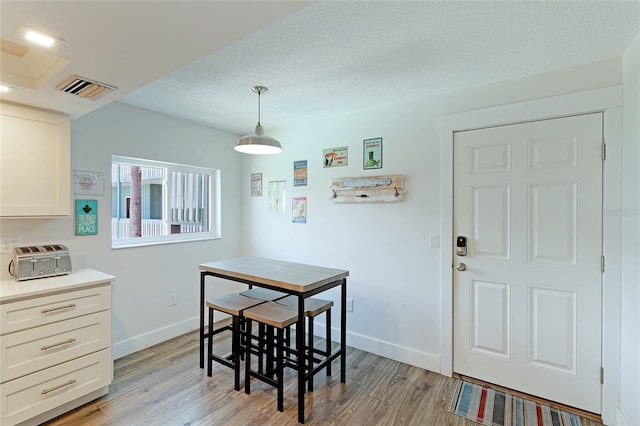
[{"x": 461, "y": 245}]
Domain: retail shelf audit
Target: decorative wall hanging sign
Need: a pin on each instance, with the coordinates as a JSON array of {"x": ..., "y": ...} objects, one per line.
[
  {"x": 256, "y": 184},
  {"x": 300, "y": 173},
  {"x": 86, "y": 217},
  {"x": 335, "y": 157},
  {"x": 88, "y": 183},
  {"x": 277, "y": 194},
  {"x": 372, "y": 153},
  {"x": 368, "y": 189},
  {"x": 299, "y": 210}
]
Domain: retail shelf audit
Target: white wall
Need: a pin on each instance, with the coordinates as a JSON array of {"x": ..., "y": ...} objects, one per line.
[
  {"x": 630, "y": 230},
  {"x": 395, "y": 275},
  {"x": 144, "y": 275}
]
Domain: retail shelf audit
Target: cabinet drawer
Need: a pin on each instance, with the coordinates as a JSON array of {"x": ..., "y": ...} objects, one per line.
[
  {"x": 23, "y": 314},
  {"x": 31, "y": 395},
  {"x": 27, "y": 351}
]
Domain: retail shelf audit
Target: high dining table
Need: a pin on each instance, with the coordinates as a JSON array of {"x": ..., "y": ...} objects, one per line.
[{"x": 292, "y": 278}]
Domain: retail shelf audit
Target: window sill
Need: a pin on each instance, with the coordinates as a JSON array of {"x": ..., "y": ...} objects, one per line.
[{"x": 140, "y": 242}]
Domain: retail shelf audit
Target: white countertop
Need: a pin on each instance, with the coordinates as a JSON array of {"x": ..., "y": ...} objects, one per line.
[{"x": 11, "y": 289}]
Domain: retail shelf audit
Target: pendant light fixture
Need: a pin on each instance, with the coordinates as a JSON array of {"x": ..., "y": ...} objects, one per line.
[{"x": 258, "y": 143}]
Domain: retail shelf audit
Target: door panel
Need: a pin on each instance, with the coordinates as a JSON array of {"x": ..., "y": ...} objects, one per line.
[
  {"x": 527, "y": 308},
  {"x": 491, "y": 334},
  {"x": 552, "y": 223},
  {"x": 553, "y": 326},
  {"x": 490, "y": 221}
]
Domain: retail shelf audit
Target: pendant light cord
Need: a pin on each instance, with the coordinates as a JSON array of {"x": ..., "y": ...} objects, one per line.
[{"x": 259, "y": 92}]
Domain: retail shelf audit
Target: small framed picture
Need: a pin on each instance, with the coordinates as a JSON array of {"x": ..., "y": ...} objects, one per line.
[
  {"x": 256, "y": 184},
  {"x": 300, "y": 173},
  {"x": 335, "y": 157},
  {"x": 372, "y": 154},
  {"x": 86, "y": 217}
]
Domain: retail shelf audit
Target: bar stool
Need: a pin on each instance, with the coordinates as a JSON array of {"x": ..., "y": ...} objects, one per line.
[
  {"x": 270, "y": 295},
  {"x": 234, "y": 305},
  {"x": 277, "y": 317},
  {"x": 312, "y": 308}
]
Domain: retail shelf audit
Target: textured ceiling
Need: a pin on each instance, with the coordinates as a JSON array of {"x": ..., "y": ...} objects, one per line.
[
  {"x": 336, "y": 57},
  {"x": 328, "y": 58}
]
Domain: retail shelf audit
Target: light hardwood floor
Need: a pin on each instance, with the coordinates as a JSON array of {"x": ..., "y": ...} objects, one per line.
[{"x": 163, "y": 385}]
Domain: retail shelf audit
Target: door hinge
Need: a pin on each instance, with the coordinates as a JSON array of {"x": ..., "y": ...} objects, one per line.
[
  {"x": 604, "y": 151},
  {"x": 602, "y": 375},
  {"x": 602, "y": 263}
]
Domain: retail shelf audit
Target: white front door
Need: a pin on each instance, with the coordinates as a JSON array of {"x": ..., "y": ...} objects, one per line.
[{"x": 527, "y": 308}]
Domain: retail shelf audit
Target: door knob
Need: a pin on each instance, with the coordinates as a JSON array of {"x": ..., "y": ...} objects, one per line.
[{"x": 461, "y": 267}]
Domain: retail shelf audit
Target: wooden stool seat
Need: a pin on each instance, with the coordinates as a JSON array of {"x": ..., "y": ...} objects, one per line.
[
  {"x": 234, "y": 305},
  {"x": 263, "y": 293},
  {"x": 312, "y": 306},
  {"x": 277, "y": 317},
  {"x": 273, "y": 314}
]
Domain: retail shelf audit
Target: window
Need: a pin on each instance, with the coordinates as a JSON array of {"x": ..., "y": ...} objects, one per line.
[{"x": 154, "y": 202}]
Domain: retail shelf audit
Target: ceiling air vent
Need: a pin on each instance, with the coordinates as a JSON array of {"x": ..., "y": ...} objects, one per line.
[{"x": 85, "y": 88}]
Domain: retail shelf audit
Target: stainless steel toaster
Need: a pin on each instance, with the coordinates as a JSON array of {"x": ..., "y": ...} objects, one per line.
[{"x": 40, "y": 261}]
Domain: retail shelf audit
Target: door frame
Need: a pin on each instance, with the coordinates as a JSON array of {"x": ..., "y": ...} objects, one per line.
[{"x": 607, "y": 100}]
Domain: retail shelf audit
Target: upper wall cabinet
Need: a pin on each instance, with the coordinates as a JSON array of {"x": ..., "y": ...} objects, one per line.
[{"x": 35, "y": 162}]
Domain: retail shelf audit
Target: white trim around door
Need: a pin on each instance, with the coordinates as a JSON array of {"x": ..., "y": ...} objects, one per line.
[{"x": 607, "y": 100}]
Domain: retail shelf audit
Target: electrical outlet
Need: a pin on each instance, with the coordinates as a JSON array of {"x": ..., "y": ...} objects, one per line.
[
  {"x": 349, "y": 305},
  {"x": 8, "y": 243},
  {"x": 172, "y": 299}
]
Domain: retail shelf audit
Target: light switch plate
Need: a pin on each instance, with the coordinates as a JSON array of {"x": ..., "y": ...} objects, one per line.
[{"x": 434, "y": 240}]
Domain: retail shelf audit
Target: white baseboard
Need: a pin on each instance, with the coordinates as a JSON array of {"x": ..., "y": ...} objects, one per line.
[
  {"x": 621, "y": 419},
  {"x": 384, "y": 349},
  {"x": 141, "y": 341}
]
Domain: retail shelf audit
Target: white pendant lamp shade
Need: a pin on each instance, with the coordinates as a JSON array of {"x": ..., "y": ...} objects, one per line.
[{"x": 258, "y": 143}]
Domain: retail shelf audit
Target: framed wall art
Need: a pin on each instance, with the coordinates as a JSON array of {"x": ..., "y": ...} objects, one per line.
[
  {"x": 299, "y": 209},
  {"x": 256, "y": 184},
  {"x": 300, "y": 173},
  {"x": 86, "y": 217},
  {"x": 372, "y": 153},
  {"x": 277, "y": 193},
  {"x": 335, "y": 157},
  {"x": 88, "y": 183}
]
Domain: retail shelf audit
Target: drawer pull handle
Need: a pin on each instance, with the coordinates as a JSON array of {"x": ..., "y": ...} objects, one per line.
[
  {"x": 46, "y": 391},
  {"x": 69, "y": 306},
  {"x": 53, "y": 345}
]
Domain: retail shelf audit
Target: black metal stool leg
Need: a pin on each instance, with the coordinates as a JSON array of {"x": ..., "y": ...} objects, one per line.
[
  {"x": 310, "y": 353},
  {"x": 280, "y": 370},
  {"x": 210, "y": 343},
  {"x": 235, "y": 349},
  {"x": 328, "y": 314},
  {"x": 247, "y": 359}
]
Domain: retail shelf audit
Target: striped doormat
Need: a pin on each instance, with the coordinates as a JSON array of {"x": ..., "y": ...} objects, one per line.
[{"x": 495, "y": 408}]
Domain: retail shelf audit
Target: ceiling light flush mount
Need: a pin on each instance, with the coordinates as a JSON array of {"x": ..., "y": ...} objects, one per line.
[
  {"x": 258, "y": 143},
  {"x": 37, "y": 37}
]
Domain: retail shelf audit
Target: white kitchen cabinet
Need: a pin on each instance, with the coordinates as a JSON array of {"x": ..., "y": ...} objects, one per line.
[
  {"x": 55, "y": 345},
  {"x": 35, "y": 162}
]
